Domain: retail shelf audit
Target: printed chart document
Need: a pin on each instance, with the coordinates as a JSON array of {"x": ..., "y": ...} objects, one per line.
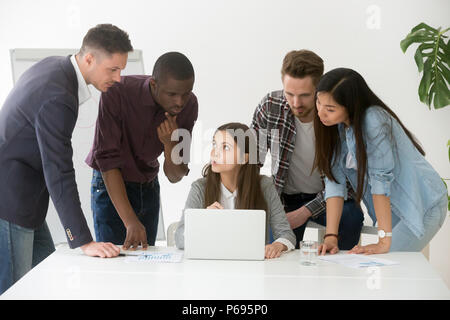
[
  {"x": 357, "y": 260},
  {"x": 166, "y": 255}
]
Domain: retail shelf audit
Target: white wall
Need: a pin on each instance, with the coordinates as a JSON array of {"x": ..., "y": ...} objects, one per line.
[{"x": 237, "y": 47}]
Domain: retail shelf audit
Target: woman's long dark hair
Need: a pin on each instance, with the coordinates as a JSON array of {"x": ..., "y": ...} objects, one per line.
[
  {"x": 249, "y": 192},
  {"x": 349, "y": 89}
]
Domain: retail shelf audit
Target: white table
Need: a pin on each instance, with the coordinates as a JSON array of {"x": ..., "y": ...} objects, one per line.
[{"x": 69, "y": 274}]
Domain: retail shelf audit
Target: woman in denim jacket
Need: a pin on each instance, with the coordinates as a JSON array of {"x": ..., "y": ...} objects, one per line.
[{"x": 360, "y": 139}]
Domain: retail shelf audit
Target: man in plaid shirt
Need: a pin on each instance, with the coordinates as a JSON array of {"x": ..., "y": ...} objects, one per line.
[{"x": 283, "y": 122}]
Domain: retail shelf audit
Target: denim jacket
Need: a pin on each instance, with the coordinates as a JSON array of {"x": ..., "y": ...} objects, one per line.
[{"x": 395, "y": 168}]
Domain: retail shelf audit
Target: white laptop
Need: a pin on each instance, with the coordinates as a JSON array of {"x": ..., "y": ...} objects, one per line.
[{"x": 224, "y": 234}]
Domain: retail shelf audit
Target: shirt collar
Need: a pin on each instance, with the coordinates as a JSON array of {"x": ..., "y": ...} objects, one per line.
[
  {"x": 84, "y": 93},
  {"x": 147, "y": 94},
  {"x": 342, "y": 128},
  {"x": 147, "y": 98},
  {"x": 226, "y": 193}
]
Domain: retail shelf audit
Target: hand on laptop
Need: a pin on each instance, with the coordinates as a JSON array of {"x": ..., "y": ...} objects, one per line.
[
  {"x": 274, "y": 250},
  {"x": 215, "y": 205}
]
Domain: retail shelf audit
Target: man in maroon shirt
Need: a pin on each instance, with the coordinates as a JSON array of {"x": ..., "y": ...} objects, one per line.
[{"x": 136, "y": 119}]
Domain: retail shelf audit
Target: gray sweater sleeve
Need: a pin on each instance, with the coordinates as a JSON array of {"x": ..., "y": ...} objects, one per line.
[
  {"x": 194, "y": 201},
  {"x": 278, "y": 222}
]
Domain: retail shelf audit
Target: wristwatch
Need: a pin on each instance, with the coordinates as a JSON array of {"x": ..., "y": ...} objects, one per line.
[{"x": 382, "y": 234}]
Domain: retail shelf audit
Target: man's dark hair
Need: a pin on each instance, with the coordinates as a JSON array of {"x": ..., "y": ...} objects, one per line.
[
  {"x": 173, "y": 65},
  {"x": 107, "y": 38}
]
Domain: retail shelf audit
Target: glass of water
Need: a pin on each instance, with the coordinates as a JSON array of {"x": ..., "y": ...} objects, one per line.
[{"x": 308, "y": 252}]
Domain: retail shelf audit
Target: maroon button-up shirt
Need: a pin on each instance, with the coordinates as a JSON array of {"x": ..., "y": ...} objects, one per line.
[{"x": 125, "y": 133}]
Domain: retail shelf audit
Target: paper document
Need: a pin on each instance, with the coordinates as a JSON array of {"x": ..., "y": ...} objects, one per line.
[
  {"x": 357, "y": 260},
  {"x": 152, "y": 256},
  {"x": 156, "y": 257}
]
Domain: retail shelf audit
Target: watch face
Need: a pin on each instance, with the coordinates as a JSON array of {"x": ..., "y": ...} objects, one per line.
[{"x": 381, "y": 233}]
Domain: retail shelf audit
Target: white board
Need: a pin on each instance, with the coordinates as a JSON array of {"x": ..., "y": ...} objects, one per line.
[{"x": 83, "y": 135}]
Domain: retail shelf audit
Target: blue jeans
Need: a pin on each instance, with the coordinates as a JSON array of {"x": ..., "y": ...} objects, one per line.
[
  {"x": 21, "y": 249},
  {"x": 144, "y": 199},
  {"x": 404, "y": 240},
  {"x": 349, "y": 227}
]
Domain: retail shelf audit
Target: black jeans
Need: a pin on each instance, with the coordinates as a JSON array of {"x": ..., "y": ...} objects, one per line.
[{"x": 349, "y": 227}]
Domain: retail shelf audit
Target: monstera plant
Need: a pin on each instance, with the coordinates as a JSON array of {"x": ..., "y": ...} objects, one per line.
[{"x": 433, "y": 60}]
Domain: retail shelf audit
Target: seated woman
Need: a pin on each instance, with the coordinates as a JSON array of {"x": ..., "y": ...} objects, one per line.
[
  {"x": 232, "y": 181},
  {"x": 360, "y": 139}
]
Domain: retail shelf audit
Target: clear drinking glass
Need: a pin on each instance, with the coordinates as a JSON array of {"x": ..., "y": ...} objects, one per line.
[{"x": 308, "y": 252}]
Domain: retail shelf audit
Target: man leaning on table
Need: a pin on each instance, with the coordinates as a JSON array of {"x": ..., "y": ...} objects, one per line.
[
  {"x": 36, "y": 125},
  {"x": 136, "y": 121}
]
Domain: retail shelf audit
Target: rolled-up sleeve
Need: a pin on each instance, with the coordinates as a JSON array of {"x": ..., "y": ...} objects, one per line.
[
  {"x": 336, "y": 188},
  {"x": 379, "y": 148},
  {"x": 108, "y": 132}
]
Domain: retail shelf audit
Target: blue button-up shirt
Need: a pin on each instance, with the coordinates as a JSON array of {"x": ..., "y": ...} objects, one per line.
[{"x": 395, "y": 168}]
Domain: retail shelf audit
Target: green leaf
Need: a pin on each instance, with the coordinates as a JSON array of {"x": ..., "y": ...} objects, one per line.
[
  {"x": 426, "y": 46},
  {"x": 418, "y": 36},
  {"x": 445, "y": 71},
  {"x": 444, "y": 31},
  {"x": 425, "y": 83},
  {"x": 418, "y": 57},
  {"x": 442, "y": 96},
  {"x": 425, "y": 27},
  {"x": 448, "y": 145},
  {"x": 445, "y": 51},
  {"x": 432, "y": 58},
  {"x": 430, "y": 96}
]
